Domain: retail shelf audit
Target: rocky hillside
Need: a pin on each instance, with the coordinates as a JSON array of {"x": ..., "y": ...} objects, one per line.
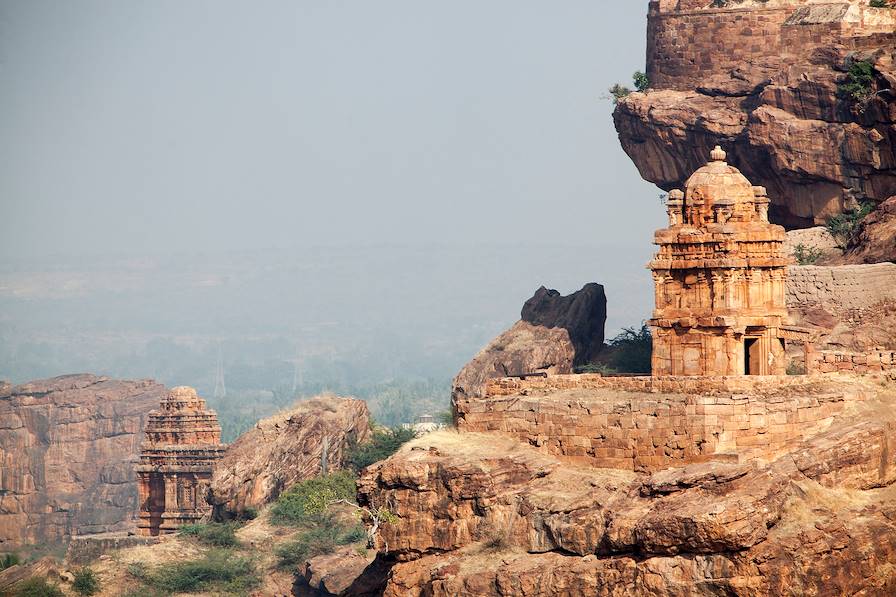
[
  {"x": 478, "y": 514},
  {"x": 67, "y": 452},
  {"x": 285, "y": 449},
  {"x": 802, "y": 96}
]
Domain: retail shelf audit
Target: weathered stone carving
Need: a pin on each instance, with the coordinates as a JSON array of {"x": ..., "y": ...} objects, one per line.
[
  {"x": 720, "y": 278},
  {"x": 182, "y": 443}
]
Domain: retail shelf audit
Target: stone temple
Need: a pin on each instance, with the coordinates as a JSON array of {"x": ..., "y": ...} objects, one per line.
[
  {"x": 182, "y": 443},
  {"x": 720, "y": 280}
]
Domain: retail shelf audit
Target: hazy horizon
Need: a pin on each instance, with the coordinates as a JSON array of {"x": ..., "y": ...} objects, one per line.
[{"x": 372, "y": 189}]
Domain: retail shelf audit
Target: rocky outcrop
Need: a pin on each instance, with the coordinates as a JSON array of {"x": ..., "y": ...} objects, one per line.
[
  {"x": 479, "y": 514},
  {"x": 761, "y": 80},
  {"x": 554, "y": 333},
  {"x": 332, "y": 574},
  {"x": 68, "y": 446},
  {"x": 285, "y": 449},
  {"x": 876, "y": 239}
]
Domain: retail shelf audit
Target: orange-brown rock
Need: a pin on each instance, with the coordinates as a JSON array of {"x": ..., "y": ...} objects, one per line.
[
  {"x": 67, "y": 452},
  {"x": 554, "y": 334},
  {"x": 285, "y": 449},
  {"x": 331, "y": 574},
  {"x": 876, "y": 239},
  {"x": 482, "y": 515},
  {"x": 761, "y": 79}
]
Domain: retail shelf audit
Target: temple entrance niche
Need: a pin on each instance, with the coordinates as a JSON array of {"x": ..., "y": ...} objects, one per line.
[
  {"x": 719, "y": 279},
  {"x": 751, "y": 356}
]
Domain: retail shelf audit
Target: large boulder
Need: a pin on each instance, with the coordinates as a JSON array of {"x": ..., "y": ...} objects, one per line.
[
  {"x": 68, "y": 447},
  {"x": 285, "y": 449},
  {"x": 554, "y": 334}
]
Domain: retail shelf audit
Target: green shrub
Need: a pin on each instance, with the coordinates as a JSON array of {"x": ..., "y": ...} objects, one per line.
[
  {"x": 858, "y": 86},
  {"x": 617, "y": 92},
  {"x": 218, "y": 570},
  {"x": 383, "y": 444},
  {"x": 86, "y": 582},
  {"x": 307, "y": 500},
  {"x": 807, "y": 255},
  {"x": 845, "y": 227},
  {"x": 642, "y": 83},
  {"x": 8, "y": 560},
  {"x": 216, "y": 534},
  {"x": 629, "y": 352},
  {"x": 319, "y": 540},
  {"x": 880, "y": 4},
  {"x": 249, "y": 513},
  {"x": 37, "y": 587}
]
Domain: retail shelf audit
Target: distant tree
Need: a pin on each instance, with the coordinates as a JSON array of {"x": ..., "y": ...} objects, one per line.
[{"x": 642, "y": 83}]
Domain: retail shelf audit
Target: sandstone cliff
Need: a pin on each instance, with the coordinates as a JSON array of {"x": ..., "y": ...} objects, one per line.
[
  {"x": 285, "y": 449},
  {"x": 761, "y": 79},
  {"x": 554, "y": 333},
  {"x": 67, "y": 452},
  {"x": 480, "y": 514}
]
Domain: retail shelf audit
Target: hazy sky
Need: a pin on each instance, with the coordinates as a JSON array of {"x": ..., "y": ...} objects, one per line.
[{"x": 139, "y": 127}]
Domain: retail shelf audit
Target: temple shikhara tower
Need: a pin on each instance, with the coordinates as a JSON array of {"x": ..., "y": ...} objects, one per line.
[
  {"x": 182, "y": 443},
  {"x": 719, "y": 278}
]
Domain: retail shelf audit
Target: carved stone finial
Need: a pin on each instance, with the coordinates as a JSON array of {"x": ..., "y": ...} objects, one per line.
[
  {"x": 718, "y": 154},
  {"x": 675, "y": 196}
]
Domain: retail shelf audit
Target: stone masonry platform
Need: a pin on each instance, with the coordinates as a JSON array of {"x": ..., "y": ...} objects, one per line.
[{"x": 652, "y": 423}]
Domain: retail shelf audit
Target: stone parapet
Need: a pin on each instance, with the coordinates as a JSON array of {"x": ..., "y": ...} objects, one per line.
[
  {"x": 651, "y": 423},
  {"x": 831, "y": 361}
]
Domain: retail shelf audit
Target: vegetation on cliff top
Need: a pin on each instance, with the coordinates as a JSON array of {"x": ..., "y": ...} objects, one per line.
[{"x": 845, "y": 227}]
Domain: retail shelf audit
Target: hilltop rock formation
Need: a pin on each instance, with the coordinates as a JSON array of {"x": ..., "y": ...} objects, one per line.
[
  {"x": 480, "y": 514},
  {"x": 761, "y": 80},
  {"x": 283, "y": 450},
  {"x": 67, "y": 451},
  {"x": 554, "y": 334}
]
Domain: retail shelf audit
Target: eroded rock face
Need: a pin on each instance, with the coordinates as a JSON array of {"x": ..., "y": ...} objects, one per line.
[
  {"x": 761, "y": 80},
  {"x": 480, "y": 514},
  {"x": 68, "y": 446},
  {"x": 554, "y": 333},
  {"x": 283, "y": 450}
]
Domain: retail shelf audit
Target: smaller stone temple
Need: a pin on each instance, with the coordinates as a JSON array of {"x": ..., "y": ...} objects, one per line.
[
  {"x": 720, "y": 280},
  {"x": 181, "y": 445}
]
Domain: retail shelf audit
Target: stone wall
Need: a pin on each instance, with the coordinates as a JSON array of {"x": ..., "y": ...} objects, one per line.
[
  {"x": 651, "y": 423},
  {"x": 829, "y": 361},
  {"x": 685, "y": 38},
  {"x": 848, "y": 292}
]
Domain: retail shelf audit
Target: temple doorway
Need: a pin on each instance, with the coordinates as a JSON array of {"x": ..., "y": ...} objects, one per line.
[{"x": 752, "y": 358}]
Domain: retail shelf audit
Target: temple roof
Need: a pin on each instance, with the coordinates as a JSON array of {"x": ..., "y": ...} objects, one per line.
[{"x": 718, "y": 183}]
